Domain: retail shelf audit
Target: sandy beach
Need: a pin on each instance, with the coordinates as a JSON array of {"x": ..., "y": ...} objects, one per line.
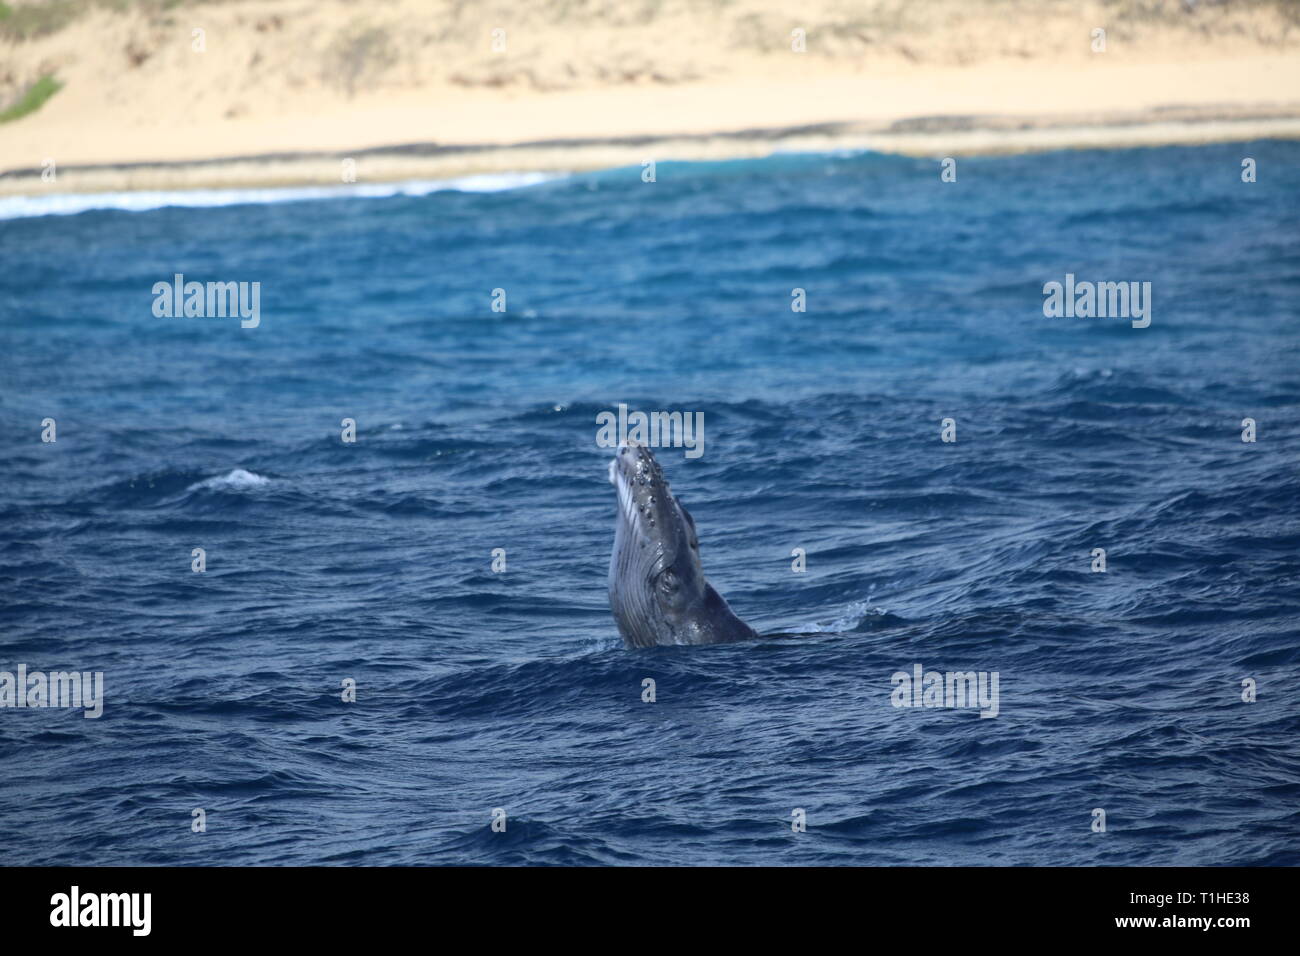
[{"x": 282, "y": 92}]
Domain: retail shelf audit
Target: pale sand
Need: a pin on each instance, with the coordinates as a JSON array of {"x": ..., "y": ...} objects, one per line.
[{"x": 285, "y": 90}]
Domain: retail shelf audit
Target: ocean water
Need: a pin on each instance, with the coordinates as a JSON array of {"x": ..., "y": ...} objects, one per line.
[{"x": 371, "y": 561}]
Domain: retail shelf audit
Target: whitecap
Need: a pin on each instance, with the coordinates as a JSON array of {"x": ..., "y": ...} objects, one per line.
[
  {"x": 236, "y": 480},
  {"x": 854, "y": 615}
]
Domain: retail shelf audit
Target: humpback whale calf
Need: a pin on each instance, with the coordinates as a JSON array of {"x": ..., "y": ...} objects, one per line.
[{"x": 657, "y": 588}]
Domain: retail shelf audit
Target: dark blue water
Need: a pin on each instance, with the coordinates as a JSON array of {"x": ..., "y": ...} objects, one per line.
[{"x": 476, "y": 430}]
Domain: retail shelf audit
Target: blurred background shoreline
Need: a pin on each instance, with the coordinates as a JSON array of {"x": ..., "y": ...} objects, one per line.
[{"x": 154, "y": 94}]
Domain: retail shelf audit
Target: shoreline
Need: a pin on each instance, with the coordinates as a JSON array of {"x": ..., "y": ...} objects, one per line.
[
  {"x": 279, "y": 95},
  {"x": 920, "y": 137}
]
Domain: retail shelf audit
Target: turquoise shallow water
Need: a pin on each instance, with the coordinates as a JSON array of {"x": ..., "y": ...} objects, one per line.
[{"x": 476, "y": 431}]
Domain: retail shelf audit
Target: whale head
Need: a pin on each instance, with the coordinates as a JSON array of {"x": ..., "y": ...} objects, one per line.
[{"x": 657, "y": 588}]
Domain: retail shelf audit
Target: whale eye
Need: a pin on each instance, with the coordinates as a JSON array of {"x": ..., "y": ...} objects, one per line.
[{"x": 668, "y": 581}]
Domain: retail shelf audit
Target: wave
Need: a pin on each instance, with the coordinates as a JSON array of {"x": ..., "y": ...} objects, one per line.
[
  {"x": 858, "y": 616},
  {"x": 26, "y": 207},
  {"x": 236, "y": 480}
]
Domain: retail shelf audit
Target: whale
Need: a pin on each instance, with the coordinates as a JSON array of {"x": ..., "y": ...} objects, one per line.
[{"x": 657, "y": 589}]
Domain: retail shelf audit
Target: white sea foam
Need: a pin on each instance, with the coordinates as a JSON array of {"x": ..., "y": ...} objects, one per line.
[
  {"x": 237, "y": 480},
  {"x": 854, "y": 615},
  {"x": 22, "y": 207}
]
